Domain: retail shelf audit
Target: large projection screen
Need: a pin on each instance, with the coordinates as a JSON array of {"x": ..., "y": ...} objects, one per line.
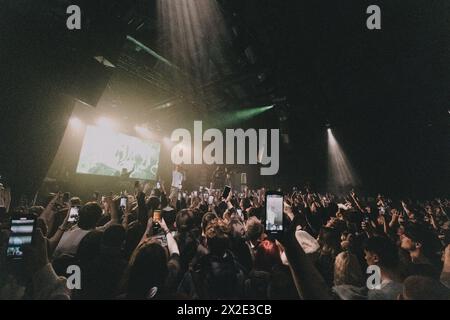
[{"x": 106, "y": 153}]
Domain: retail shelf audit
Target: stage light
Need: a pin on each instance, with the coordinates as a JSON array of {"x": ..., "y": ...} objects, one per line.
[
  {"x": 339, "y": 168},
  {"x": 75, "y": 123},
  {"x": 106, "y": 123},
  {"x": 243, "y": 115}
]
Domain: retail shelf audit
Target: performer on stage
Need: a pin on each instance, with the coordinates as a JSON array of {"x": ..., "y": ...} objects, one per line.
[
  {"x": 222, "y": 177},
  {"x": 178, "y": 177},
  {"x": 124, "y": 179},
  {"x": 218, "y": 177}
]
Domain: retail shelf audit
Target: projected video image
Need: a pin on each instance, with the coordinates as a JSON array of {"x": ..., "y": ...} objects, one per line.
[{"x": 108, "y": 153}]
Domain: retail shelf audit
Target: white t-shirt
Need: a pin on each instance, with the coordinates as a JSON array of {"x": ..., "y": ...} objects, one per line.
[
  {"x": 70, "y": 241},
  {"x": 177, "y": 179}
]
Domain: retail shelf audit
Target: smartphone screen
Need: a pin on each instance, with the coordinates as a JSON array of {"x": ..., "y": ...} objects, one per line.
[
  {"x": 73, "y": 214},
  {"x": 274, "y": 212},
  {"x": 123, "y": 202},
  {"x": 157, "y": 215},
  {"x": 22, "y": 229},
  {"x": 179, "y": 196},
  {"x": 226, "y": 192},
  {"x": 158, "y": 185},
  {"x": 239, "y": 211},
  {"x": 210, "y": 199}
]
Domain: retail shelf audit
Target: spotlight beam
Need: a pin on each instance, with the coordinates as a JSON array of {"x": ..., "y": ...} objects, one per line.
[
  {"x": 243, "y": 115},
  {"x": 340, "y": 171}
]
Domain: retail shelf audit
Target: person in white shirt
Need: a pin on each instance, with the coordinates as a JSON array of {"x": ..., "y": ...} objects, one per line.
[
  {"x": 89, "y": 215},
  {"x": 177, "y": 184}
]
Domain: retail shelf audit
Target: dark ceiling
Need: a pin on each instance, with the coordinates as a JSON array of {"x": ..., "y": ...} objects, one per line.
[{"x": 385, "y": 93}]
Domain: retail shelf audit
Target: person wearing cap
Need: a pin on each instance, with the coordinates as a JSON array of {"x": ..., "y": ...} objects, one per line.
[{"x": 419, "y": 242}]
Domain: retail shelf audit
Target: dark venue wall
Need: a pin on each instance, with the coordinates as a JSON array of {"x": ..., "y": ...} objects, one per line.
[{"x": 45, "y": 69}]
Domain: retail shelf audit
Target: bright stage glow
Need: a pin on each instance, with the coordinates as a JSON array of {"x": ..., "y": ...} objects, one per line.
[
  {"x": 339, "y": 168},
  {"x": 105, "y": 152},
  {"x": 145, "y": 133},
  {"x": 142, "y": 131},
  {"x": 167, "y": 142},
  {"x": 106, "y": 123},
  {"x": 75, "y": 123}
]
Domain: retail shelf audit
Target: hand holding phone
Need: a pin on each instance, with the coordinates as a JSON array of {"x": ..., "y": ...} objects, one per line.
[
  {"x": 22, "y": 234},
  {"x": 73, "y": 214},
  {"x": 274, "y": 214},
  {"x": 123, "y": 201},
  {"x": 226, "y": 192}
]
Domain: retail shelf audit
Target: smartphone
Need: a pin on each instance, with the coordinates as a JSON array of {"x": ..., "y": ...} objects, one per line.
[
  {"x": 201, "y": 189},
  {"x": 179, "y": 196},
  {"x": 157, "y": 215},
  {"x": 156, "y": 219},
  {"x": 123, "y": 202},
  {"x": 22, "y": 231},
  {"x": 158, "y": 185},
  {"x": 239, "y": 211},
  {"x": 195, "y": 193},
  {"x": 210, "y": 199},
  {"x": 73, "y": 214},
  {"x": 274, "y": 213},
  {"x": 226, "y": 192}
]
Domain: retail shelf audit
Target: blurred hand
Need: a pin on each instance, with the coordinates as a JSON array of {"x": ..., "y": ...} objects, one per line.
[
  {"x": 149, "y": 230},
  {"x": 367, "y": 226},
  {"x": 54, "y": 200},
  {"x": 288, "y": 211}
]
